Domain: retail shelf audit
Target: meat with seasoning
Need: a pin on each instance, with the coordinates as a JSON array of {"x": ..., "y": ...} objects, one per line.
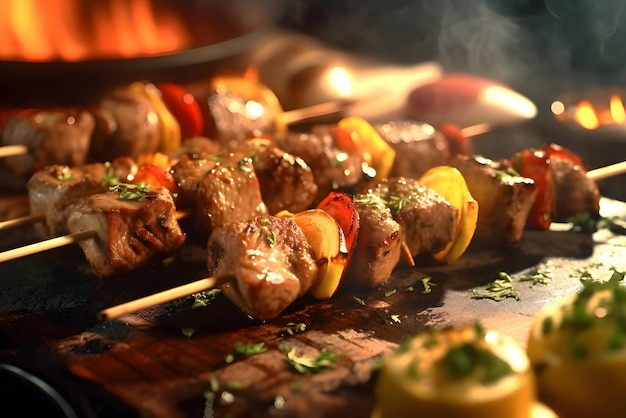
[
  {"x": 54, "y": 190},
  {"x": 131, "y": 228},
  {"x": 286, "y": 181},
  {"x": 52, "y": 136},
  {"x": 265, "y": 264},
  {"x": 575, "y": 193},
  {"x": 428, "y": 222},
  {"x": 221, "y": 188},
  {"x": 504, "y": 197},
  {"x": 419, "y": 147},
  {"x": 378, "y": 244},
  {"x": 333, "y": 168},
  {"x": 127, "y": 124}
]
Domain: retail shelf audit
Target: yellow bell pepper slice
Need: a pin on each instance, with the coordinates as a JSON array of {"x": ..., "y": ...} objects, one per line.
[
  {"x": 169, "y": 127},
  {"x": 328, "y": 246},
  {"x": 376, "y": 151},
  {"x": 450, "y": 184}
]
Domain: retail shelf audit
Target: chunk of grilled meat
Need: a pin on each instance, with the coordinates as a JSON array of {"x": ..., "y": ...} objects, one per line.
[
  {"x": 52, "y": 136},
  {"x": 220, "y": 188},
  {"x": 427, "y": 221},
  {"x": 378, "y": 245},
  {"x": 286, "y": 181},
  {"x": 575, "y": 192},
  {"x": 54, "y": 190},
  {"x": 127, "y": 124},
  {"x": 129, "y": 232},
  {"x": 419, "y": 147},
  {"x": 268, "y": 261},
  {"x": 333, "y": 169},
  {"x": 504, "y": 197}
]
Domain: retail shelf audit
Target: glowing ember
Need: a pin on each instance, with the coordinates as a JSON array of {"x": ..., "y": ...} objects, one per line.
[
  {"x": 592, "y": 109},
  {"x": 72, "y": 30}
]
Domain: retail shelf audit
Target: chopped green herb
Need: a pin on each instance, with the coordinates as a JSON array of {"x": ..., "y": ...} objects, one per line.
[
  {"x": 294, "y": 328},
  {"x": 537, "y": 278},
  {"x": 204, "y": 298},
  {"x": 396, "y": 319},
  {"x": 265, "y": 222},
  {"x": 396, "y": 203},
  {"x": 234, "y": 385},
  {"x": 188, "y": 332},
  {"x": 271, "y": 238},
  {"x": 467, "y": 359},
  {"x": 497, "y": 290},
  {"x": 66, "y": 175},
  {"x": 342, "y": 337},
  {"x": 245, "y": 350},
  {"x": 426, "y": 282},
  {"x": 390, "y": 292},
  {"x": 305, "y": 365},
  {"x": 130, "y": 191},
  {"x": 214, "y": 384},
  {"x": 359, "y": 300},
  {"x": 109, "y": 177},
  {"x": 590, "y": 223},
  {"x": 409, "y": 289}
]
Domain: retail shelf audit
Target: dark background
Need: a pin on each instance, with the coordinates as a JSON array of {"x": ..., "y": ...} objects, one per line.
[{"x": 541, "y": 48}]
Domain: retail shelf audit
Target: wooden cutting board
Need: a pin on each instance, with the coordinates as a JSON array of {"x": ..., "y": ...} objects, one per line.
[{"x": 145, "y": 365}]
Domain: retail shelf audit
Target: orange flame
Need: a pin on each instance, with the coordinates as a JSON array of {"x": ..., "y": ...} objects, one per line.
[
  {"x": 618, "y": 114},
  {"x": 73, "y": 30},
  {"x": 586, "y": 116}
]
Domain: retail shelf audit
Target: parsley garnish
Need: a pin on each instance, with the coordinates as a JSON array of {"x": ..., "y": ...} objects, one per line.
[
  {"x": 590, "y": 223},
  {"x": 359, "y": 300},
  {"x": 497, "y": 290},
  {"x": 294, "y": 328},
  {"x": 109, "y": 177},
  {"x": 188, "y": 332},
  {"x": 305, "y": 365},
  {"x": 390, "y": 292},
  {"x": 245, "y": 350},
  {"x": 467, "y": 359},
  {"x": 426, "y": 282},
  {"x": 271, "y": 238},
  {"x": 204, "y": 298},
  {"x": 537, "y": 278},
  {"x": 130, "y": 191},
  {"x": 396, "y": 203}
]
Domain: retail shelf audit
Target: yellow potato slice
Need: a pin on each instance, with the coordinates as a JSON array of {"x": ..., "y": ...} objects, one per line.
[
  {"x": 171, "y": 136},
  {"x": 578, "y": 347},
  {"x": 450, "y": 184},
  {"x": 456, "y": 373}
]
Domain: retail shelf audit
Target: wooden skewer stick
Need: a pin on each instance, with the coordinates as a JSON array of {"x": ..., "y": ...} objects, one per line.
[
  {"x": 327, "y": 108},
  {"x": 607, "y": 171},
  {"x": 47, "y": 245},
  {"x": 159, "y": 298},
  {"x": 56, "y": 242},
  {"x": 24, "y": 220},
  {"x": 13, "y": 150}
]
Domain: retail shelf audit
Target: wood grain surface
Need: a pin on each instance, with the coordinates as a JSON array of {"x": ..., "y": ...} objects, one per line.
[{"x": 143, "y": 365}]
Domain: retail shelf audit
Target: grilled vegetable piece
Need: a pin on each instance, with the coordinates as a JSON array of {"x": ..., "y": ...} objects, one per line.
[
  {"x": 52, "y": 136},
  {"x": 185, "y": 109},
  {"x": 378, "y": 245},
  {"x": 505, "y": 198},
  {"x": 378, "y": 154},
  {"x": 575, "y": 193},
  {"x": 427, "y": 221},
  {"x": 132, "y": 226},
  {"x": 461, "y": 372},
  {"x": 53, "y": 191},
  {"x": 450, "y": 184},
  {"x": 328, "y": 247},
  {"x": 576, "y": 346},
  {"x": 419, "y": 146},
  {"x": 221, "y": 188},
  {"x": 268, "y": 261},
  {"x": 536, "y": 164}
]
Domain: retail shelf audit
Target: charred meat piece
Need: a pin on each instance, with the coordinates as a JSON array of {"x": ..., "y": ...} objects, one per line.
[
  {"x": 195, "y": 146},
  {"x": 220, "y": 188},
  {"x": 132, "y": 228},
  {"x": 333, "y": 169},
  {"x": 268, "y": 263},
  {"x": 419, "y": 147},
  {"x": 52, "y": 136},
  {"x": 53, "y": 191},
  {"x": 378, "y": 245},
  {"x": 575, "y": 192},
  {"x": 127, "y": 124},
  {"x": 504, "y": 197},
  {"x": 427, "y": 220},
  {"x": 286, "y": 181}
]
